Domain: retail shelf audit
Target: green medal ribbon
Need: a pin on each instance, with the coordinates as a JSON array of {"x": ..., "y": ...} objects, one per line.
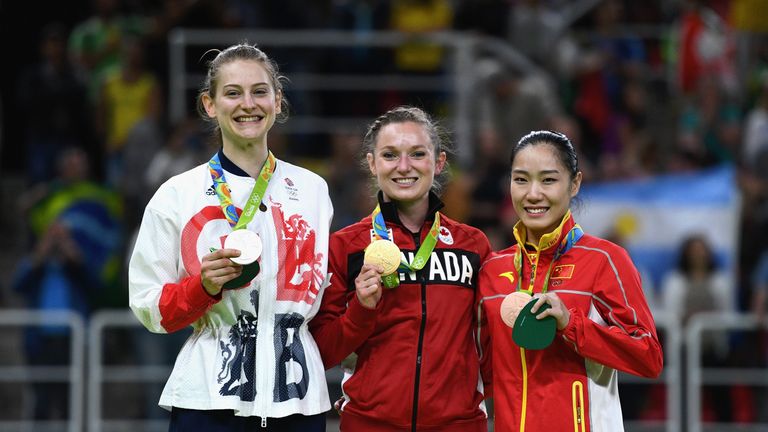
[{"x": 422, "y": 255}]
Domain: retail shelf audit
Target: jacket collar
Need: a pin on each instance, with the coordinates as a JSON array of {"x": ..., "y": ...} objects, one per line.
[
  {"x": 548, "y": 242},
  {"x": 230, "y": 166},
  {"x": 389, "y": 209}
]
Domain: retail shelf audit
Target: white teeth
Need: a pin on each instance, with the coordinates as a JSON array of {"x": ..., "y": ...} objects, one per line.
[
  {"x": 247, "y": 119},
  {"x": 405, "y": 180},
  {"x": 536, "y": 210}
]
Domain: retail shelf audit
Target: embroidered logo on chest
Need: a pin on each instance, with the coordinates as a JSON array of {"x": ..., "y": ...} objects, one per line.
[{"x": 293, "y": 192}]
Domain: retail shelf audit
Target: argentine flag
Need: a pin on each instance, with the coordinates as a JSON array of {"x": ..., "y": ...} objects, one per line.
[{"x": 652, "y": 216}]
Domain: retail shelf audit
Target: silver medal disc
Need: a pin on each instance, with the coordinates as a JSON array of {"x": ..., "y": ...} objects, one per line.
[{"x": 247, "y": 242}]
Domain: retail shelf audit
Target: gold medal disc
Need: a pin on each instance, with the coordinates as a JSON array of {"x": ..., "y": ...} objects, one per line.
[{"x": 384, "y": 253}]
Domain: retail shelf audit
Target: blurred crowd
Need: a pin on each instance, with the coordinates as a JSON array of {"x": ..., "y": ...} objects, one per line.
[{"x": 641, "y": 88}]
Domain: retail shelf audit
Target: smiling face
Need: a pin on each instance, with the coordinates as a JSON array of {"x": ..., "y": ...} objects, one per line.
[
  {"x": 244, "y": 103},
  {"x": 541, "y": 188},
  {"x": 404, "y": 162}
]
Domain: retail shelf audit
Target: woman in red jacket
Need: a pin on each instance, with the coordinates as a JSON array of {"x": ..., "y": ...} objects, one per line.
[
  {"x": 411, "y": 327},
  {"x": 556, "y": 368}
]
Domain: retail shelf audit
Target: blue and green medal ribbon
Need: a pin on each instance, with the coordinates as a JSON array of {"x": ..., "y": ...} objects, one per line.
[
  {"x": 225, "y": 197},
  {"x": 249, "y": 210},
  {"x": 528, "y": 332},
  {"x": 566, "y": 244},
  {"x": 422, "y": 255}
]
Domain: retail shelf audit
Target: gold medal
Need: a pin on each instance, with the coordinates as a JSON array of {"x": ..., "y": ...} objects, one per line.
[
  {"x": 247, "y": 242},
  {"x": 383, "y": 253},
  {"x": 512, "y": 305}
]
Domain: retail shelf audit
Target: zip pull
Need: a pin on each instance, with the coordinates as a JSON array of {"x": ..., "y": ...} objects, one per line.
[{"x": 263, "y": 422}]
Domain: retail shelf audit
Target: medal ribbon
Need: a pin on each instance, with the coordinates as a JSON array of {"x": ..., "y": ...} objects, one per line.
[
  {"x": 565, "y": 244},
  {"x": 422, "y": 255},
  {"x": 225, "y": 197}
]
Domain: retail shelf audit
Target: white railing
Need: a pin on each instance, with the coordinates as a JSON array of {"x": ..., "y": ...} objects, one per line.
[
  {"x": 71, "y": 374},
  {"x": 699, "y": 376},
  {"x": 101, "y": 373},
  {"x": 670, "y": 377}
]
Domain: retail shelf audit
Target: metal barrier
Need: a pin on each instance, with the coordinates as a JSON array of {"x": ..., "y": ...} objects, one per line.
[
  {"x": 72, "y": 374},
  {"x": 100, "y": 373},
  {"x": 670, "y": 376},
  {"x": 698, "y": 375}
]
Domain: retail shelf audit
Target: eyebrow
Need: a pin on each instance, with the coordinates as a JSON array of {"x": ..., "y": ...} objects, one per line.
[
  {"x": 545, "y": 172},
  {"x": 413, "y": 147},
  {"x": 240, "y": 86}
]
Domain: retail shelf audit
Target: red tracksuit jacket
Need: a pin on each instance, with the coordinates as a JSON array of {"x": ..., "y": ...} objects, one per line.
[
  {"x": 417, "y": 364},
  {"x": 572, "y": 384}
]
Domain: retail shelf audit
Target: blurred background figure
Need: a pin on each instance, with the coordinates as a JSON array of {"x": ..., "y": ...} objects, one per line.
[
  {"x": 75, "y": 233},
  {"x": 696, "y": 285},
  {"x": 129, "y": 95},
  {"x": 53, "y": 103}
]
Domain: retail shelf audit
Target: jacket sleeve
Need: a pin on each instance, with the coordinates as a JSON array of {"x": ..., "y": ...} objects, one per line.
[
  {"x": 161, "y": 298},
  {"x": 342, "y": 324},
  {"x": 627, "y": 340},
  {"x": 483, "y": 336}
]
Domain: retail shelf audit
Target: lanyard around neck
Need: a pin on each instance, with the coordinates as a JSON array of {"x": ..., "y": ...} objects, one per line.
[
  {"x": 565, "y": 244},
  {"x": 225, "y": 197},
  {"x": 426, "y": 248}
]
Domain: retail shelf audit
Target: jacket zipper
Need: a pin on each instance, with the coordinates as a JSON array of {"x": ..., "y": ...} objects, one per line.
[
  {"x": 423, "y": 324},
  {"x": 524, "y": 407},
  {"x": 577, "y": 391}
]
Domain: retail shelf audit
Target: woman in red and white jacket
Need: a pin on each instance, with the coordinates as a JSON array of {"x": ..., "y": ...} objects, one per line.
[
  {"x": 590, "y": 287},
  {"x": 417, "y": 366}
]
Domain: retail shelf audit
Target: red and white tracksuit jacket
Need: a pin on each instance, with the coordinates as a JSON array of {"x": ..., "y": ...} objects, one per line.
[
  {"x": 417, "y": 366},
  {"x": 251, "y": 350},
  {"x": 572, "y": 384}
]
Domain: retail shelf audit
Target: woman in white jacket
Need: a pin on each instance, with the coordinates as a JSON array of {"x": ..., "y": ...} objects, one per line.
[{"x": 238, "y": 249}]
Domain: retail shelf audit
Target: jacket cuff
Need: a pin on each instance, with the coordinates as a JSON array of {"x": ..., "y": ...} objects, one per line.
[
  {"x": 198, "y": 296},
  {"x": 570, "y": 332},
  {"x": 360, "y": 315}
]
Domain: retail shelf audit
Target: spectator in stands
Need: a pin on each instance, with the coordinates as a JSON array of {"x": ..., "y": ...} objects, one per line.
[
  {"x": 416, "y": 365},
  {"x": 588, "y": 289},
  {"x": 710, "y": 124},
  {"x": 94, "y": 44},
  {"x": 417, "y": 18},
  {"x": 54, "y": 277},
  {"x": 71, "y": 266},
  {"x": 759, "y": 283},
  {"x": 251, "y": 363},
  {"x": 128, "y": 95},
  {"x": 66, "y": 119},
  {"x": 756, "y": 129},
  {"x": 699, "y": 284}
]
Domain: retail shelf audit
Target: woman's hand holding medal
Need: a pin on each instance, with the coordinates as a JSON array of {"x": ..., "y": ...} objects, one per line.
[
  {"x": 558, "y": 310},
  {"x": 534, "y": 320},
  {"x": 235, "y": 265},
  {"x": 217, "y": 268},
  {"x": 368, "y": 285}
]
